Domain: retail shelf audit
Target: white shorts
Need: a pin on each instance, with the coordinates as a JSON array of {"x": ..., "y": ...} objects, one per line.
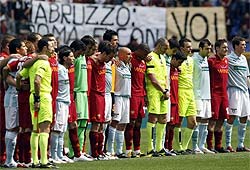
[
  {"x": 239, "y": 104},
  {"x": 11, "y": 117},
  {"x": 11, "y": 109},
  {"x": 203, "y": 108},
  {"x": 169, "y": 111},
  {"x": 108, "y": 107},
  {"x": 61, "y": 117},
  {"x": 121, "y": 109}
]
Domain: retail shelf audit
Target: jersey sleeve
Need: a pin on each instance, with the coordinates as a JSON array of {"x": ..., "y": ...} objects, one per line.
[
  {"x": 42, "y": 69},
  {"x": 151, "y": 66},
  {"x": 24, "y": 73}
]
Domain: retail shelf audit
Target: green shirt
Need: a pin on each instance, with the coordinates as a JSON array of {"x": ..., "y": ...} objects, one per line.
[
  {"x": 156, "y": 66},
  {"x": 185, "y": 80},
  {"x": 81, "y": 83},
  {"x": 42, "y": 69}
]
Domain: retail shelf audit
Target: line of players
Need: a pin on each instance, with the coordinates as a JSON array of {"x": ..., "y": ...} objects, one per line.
[{"x": 83, "y": 76}]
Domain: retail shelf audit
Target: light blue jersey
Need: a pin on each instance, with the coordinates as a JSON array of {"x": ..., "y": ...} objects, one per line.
[
  {"x": 63, "y": 85},
  {"x": 201, "y": 78},
  {"x": 238, "y": 71},
  {"x": 108, "y": 77},
  {"x": 123, "y": 81}
]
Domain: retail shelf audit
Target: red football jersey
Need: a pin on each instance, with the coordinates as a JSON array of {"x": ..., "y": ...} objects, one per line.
[
  {"x": 54, "y": 79},
  {"x": 71, "y": 73},
  {"x": 218, "y": 69},
  {"x": 138, "y": 69},
  {"x": 97, "y": 76},
  {"x": 174, "y": 85}
]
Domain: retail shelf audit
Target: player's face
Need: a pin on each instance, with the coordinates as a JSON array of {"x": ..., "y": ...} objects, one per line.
[
  {"x": 176, "y": 63},
  {"x": 53, "y": 39},
  {"x": 222, "y": 50},
  {"x": 23, "y": 49},
  {"x": 241, "y": 47},
  {"x": 206, "y": 50},
  {"x": 70, "y": 59},
  {"x": 127, "y": 56},
  {"x": 187, "y": 49},
  {"x": 91, "y": 49},
  {"x": 114, "y": 41},
  {"x": 109, "y": 57},
  {"x": 51, "y": 48},
  {"x": 164, "y": 47},
  {"x": 143, "y": 54}
]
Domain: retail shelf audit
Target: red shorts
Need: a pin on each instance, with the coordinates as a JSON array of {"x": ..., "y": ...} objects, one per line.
[
  {"x": 72, "y": 110},
  {"x": 136, "y": 107},
  {"x": 2, "y": 112},
  {"x": 174, "y": 115},
  {"x": 96, "y": 107},
  {"x": 219, "y": 106},
  {"x": 24, "y": 109}
]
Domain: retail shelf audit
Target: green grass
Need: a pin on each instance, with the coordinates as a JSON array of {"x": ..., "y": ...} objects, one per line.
[{"x": 230, "y": 161}]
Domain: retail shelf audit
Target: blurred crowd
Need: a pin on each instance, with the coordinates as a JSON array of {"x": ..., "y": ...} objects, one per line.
[{"x": 15, "y": 14}]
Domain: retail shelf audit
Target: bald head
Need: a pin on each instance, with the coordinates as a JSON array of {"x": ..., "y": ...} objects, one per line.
[{"x": 124, "y": 54}]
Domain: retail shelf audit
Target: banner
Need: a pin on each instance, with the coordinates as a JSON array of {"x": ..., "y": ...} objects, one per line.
[
  {"x": 196, "y": 23},
  {"x": 71, "y": 21}
]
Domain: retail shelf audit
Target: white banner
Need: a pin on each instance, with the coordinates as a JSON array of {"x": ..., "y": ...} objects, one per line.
[
  {"x": 196, "y": 23},
  {"x": 71, "y": 21}
]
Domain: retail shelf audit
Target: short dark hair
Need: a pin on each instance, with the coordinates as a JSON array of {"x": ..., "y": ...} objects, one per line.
[
  {"x": 179, "y": 55},
  {"x": 48, "y": 35},
  {"x": 236, "y": 41},
  {"x": 106, "y": 46},
  {"x": 42, "y": 43},
  {"x": 32, "y": 37},
  {"x": 107, "y": 36},
  {"x": 173, "y": 43},
  {"x": 64, "y": 51},
  {"x": 15, "y": 43},
  {"x": 6, "y": 39},
  {"x": 183, "y": 40},
  {"x": 88, "y": 40},
  {"x": 219, "y": 42},
  {"x": 78, "y": 45},
  {"x": 204, "y": 42},
  {"x": 160, "y": 41},
  {"x": 143, "y": 47}
]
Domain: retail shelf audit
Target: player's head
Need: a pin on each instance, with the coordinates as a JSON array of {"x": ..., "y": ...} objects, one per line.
[
  {"x": 173, "y": 46},
  {"x": 17, "y": 46},
  {"x": 239, "y": 44},
  {"x": 205, "y": 47},
  {"x": 52, "y": 38},
  {"x": 78, "y": 47},
  {"x": 221, "y": 47},
  {"x": 45, "y": 46},
  {"x": 5, "y": 42},
  {"x": 161, "y": 46},
  {"x": 106, "y": 50},
  {"x": 124, "y": 54},
  {"x": 177, "y": 58},
  {"x": 34, "y": 38},
  {"x": 185, "y": 46},
  {"x": 91, "y": 45},
  {"x": 30, "y": 47},
  {"x": 142, "y": 51},
  {"x": 111, "y": 36},
  {"x": 66, "y": 56}
]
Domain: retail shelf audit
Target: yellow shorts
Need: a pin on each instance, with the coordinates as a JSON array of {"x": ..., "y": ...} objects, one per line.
[
  {"x": 45, "y": 113},
  {"x": 187, "y": 105},
  {"x": 155, "y": 104}
]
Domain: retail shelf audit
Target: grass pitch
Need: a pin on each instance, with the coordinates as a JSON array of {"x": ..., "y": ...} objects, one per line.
[{"x": 229, "y": 161}]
